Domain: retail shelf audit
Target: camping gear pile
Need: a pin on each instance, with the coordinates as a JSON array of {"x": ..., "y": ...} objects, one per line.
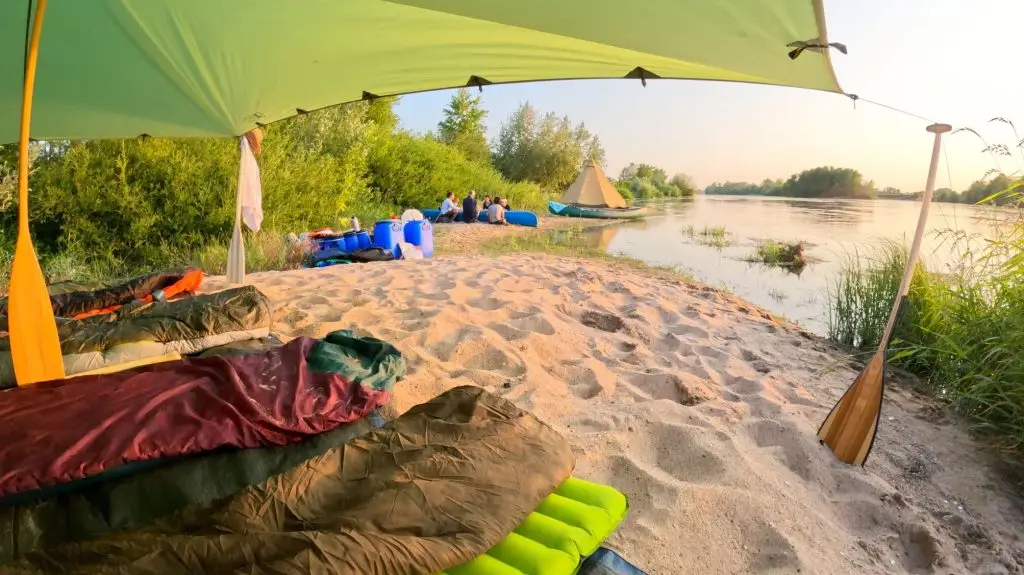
[
  {"x": 591, "y": 195},
  {"x": 191, "y": 440},
  {"x": 410, "y": 238}
]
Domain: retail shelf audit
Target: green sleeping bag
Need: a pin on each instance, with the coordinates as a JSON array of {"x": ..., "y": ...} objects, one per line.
[{"x": 567, "y": 526}]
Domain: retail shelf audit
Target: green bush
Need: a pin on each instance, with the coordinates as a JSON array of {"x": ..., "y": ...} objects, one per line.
[
  {"x": 121, "y": 206},
  {"x": 417, "y": 172}
]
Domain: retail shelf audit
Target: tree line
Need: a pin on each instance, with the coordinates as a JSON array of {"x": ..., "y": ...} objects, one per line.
[
  {"x": 829, "y": 182},
  {"x": 821, "y": 182}
]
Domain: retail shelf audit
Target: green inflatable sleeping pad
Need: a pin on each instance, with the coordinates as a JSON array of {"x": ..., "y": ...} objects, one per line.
[{"x": 553, "y": 540}]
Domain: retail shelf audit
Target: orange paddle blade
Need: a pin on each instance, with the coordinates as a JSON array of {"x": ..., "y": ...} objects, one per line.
[
  {"x": 35, "y": 347},
  {"x": 850, "y": 428}
]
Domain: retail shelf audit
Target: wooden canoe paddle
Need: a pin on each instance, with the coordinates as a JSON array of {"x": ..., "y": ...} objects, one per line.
[
  {"x": 35, "y": 347},
  {"x": 850, "y": 428}
]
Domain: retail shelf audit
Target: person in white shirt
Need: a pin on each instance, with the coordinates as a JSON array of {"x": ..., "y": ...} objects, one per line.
[
  {"x": 448, "y": 209},
  {"x": 496, "y": 213}
]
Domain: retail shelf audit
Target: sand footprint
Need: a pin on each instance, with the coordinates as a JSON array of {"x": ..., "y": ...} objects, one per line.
[
  {"x": 494, "y": 359},
  {"x": 312, "y": 300},
  {"x": 689, "y": 330},
  {"x": 744, "y": 386},
  {"x": 486, "y": 303},
  {"x": 533, "y": 324},
  {"x": 791, "y": 446},
  {"x": 689, "y": 453},
  {"x": 590, "y": 378},
  {"x": 772, "y": 550},
  {"x": 685, "y": 389},
  {"x": 433, "y": 296}
]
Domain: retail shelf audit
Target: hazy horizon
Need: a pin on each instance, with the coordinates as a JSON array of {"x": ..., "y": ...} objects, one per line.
[{"x": 949, "y": 63}]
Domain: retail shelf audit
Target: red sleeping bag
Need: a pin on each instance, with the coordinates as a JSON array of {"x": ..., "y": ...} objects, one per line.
[{"x": 62, "y": 431}]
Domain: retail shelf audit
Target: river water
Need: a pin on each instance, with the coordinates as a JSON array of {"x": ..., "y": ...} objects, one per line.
[{"x": 832, "y": 229}]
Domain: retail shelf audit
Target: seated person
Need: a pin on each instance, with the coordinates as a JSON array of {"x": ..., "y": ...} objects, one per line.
[
  {"x": 504, "y": 204},
  {"x": 469, "y": 213},
  {"x": 487, "y": 203},
  {"x": 496, "y": 213},
  {"x": 448, "y": 209}
]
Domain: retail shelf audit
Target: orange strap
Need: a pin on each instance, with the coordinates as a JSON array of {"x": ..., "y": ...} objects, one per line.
[{"x": 188, "y": 283}]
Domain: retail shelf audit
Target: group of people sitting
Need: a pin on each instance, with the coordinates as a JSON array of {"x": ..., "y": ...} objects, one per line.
[{"x": 492, "y": 210}]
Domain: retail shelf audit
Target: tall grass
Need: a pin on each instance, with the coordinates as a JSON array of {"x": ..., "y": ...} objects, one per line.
[
  {"x": 264, "y": 251},
  {"x": 861, "y": 297},
  {"x": 961, "y": 332}
]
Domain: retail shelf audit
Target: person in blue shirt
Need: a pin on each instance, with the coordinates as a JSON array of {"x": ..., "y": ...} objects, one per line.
[{"x": 469, "y": 211}]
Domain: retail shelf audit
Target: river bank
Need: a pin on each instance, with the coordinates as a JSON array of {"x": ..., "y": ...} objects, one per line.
[{"x": 698, "y": 405}]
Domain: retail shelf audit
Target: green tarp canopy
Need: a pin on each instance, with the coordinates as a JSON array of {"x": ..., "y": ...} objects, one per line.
[
  {"x": 188, "y": 68},
  {"x": 182, "y": 68}
]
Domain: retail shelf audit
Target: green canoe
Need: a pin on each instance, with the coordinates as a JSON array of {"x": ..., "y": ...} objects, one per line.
[{"x": 558, "y": 209}]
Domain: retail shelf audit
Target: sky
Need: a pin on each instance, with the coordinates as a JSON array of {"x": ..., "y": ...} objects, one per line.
[{"x": 951, "y": 61}]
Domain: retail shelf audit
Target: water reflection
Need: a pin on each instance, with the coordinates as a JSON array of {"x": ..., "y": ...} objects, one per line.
[{"x": 831, "y": 228}]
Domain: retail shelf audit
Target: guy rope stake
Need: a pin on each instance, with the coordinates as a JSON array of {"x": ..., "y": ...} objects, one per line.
[
  {"x": 851, "y": 426},
  {"x": 35, "y": 346}
]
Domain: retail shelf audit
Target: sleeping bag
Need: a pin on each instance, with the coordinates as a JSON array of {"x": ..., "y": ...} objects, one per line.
[
  {"x": 158, "y": 286},
  {"x": 63, "y": 431},
  {"x": 440, "y": 485},
  {"x": 143, "y": 330}
]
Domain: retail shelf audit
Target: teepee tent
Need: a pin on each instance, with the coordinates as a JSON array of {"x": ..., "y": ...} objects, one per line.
[{"x": 593, "y": 190}]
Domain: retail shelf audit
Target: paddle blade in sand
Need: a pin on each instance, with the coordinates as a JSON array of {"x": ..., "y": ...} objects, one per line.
[
  {"x": 35, "y": 347},
  {"x": 850, "y": 428}
]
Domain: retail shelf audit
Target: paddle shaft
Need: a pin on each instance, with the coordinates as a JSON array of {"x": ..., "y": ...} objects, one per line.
[
  {"x": 915, "y": 246},
  {"x": 26, "y": 119}
]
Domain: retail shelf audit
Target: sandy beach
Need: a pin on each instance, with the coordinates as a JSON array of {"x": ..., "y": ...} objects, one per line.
[{"x": 696, "y": 404}]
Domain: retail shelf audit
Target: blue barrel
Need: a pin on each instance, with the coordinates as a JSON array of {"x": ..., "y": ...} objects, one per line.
[
  {"x": 420, "y": 233},
  {"x": 412, "y": 232},
  {"x": 351, "y": 243},
  {"x": 363, "y": 237},
  {"x": 427, "y": 237},
  {"x": 387, "y": 234},
  {"x": 331, "y": 244}
]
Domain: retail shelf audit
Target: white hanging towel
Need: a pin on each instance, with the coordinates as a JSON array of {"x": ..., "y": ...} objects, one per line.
[
  {"x": 248, "y": 208},
  {"x": 249, "y": 189}
]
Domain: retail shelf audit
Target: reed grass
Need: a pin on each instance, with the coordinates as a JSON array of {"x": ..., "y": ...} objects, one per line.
[{"x": 714, "y": 237}]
